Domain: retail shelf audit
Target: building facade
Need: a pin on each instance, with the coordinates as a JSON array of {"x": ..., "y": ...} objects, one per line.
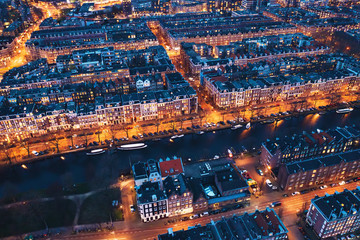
[{"x": 334, "y": 215}]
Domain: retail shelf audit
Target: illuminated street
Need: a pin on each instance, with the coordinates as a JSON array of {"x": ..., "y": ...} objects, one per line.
[{"x": 171, "y": 120}]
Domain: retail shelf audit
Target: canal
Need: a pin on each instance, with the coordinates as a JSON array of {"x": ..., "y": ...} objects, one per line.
[{"x": 79, "y": 168}]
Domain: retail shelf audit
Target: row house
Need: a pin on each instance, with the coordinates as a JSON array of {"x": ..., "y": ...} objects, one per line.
[
  {"x": 180, "y": 196},
  {"x": 50, "y": 43},
  {"x": 307, "y": 145},
  {"x": 157, "y": 171},
  {"x": 264, "y": 224},
  {"x": 336, "y": 214},
  {"x": 222, "y": 86},
  {"x": 115, "y": 110},
  {"x": 220, "y": 30},
  {"x": 152, "y": 202},
  {"x": 7, "y": 45},
  {"x": 313, "y": 172}
]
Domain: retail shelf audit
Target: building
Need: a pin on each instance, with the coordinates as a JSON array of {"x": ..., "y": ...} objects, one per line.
[
  {"x": 195, "y": 189},
  {"x": 180, "y": 196},
  {"x": 156, "y": 171},
  {"x": 216, "y": 184},
  {"x": 198, "y": 57},
  {"x": 7, "y": 45},
  {"x": 114, "y": 111},
  {"x": 220, "y": 29},
  {"x": 308, "y": 145},
  {"x": 170, "y": 167},
  {"x": 14, "y": 29},
  {"x": 334, "y": 215},
  {"x": 122, "y": 35},
  {"x": 152, "y": 202},
  {"x": 264, "y": 224},
  {"x": 290, "y": 78},
  {"x": 317, "y": 171}
]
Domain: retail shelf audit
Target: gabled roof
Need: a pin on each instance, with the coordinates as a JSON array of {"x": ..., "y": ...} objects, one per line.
[{"x": 171, "y": 167}]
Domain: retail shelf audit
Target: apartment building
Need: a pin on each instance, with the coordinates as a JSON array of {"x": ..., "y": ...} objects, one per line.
[
  {"x": 308, "y": 145},
  {"x": 334, "y": 215},
  {"x": 316, "y": 171}
]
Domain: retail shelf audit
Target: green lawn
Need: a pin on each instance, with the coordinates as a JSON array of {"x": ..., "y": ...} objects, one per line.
[
  {"x": 34, "y": 216},
  {"x": 98, "y": 207}
]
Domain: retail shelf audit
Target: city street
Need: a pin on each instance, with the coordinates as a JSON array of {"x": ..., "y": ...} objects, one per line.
[
  {"x": 21, "y": 57},
  {"x": 134, "y": 229}
]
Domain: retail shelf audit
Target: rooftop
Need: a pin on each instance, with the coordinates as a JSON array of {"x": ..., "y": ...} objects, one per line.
[{"x": 338, "y": 205}]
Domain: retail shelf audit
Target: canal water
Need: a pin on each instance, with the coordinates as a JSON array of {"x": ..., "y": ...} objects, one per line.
[{"x": 79, "y": 168}]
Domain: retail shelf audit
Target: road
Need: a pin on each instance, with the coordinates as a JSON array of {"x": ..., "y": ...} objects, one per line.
[
  {"x": 137, "y": 230},
  {"x": 21, "y": 56}
]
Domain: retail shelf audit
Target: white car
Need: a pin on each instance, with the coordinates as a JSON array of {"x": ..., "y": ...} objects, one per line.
[
  {"x": 342, "y": 183},
  {"x": 268, "y": 182},
  {"x": 295, "y": 193},
  {"x": 35, "y": 153},
  {"x": 132, "y": 208},
  {"x": 194, "y": 216},
  {"x": 323, "y": 187},
  {"x": 203, "y": 214}
]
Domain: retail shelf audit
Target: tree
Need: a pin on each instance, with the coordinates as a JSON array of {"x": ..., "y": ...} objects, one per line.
[
  {"x": 237, "y": 115},
  {"x": 157, "y": 124},
  {"x": 172, "y": 125},
  {"x": 112, "y": 132},
  {"x": 26, "y": 145},
  {"x": 56, "y": 143},
  {"x": 125, "y": 128},
  {"x": 86, "y": 139},
  {"x": 181, "y": 122},
  {"x": 8, "y": 154},
  {"x": 223, "y": 115},
  {"x": 98, "y": 133}
]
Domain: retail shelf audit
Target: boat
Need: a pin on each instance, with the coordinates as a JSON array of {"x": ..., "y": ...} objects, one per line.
[
  {"x": 180, "y": 136},
  {"x": 268, "y": 121},
  {"x": 156, "y": 139},
  {"x": 236, "y": 127},
  {"x": 200, "y": 132},
  {"x": 95, "y": 152},
  {"x": 322, "y": 113},
  {"x": 344, "y": 110},
  {"x": 173, "y": 137},
  {"x": 248, "y": 125},
  {"x": 132, "y": 146},
  {"x": 216, "y": 157}
]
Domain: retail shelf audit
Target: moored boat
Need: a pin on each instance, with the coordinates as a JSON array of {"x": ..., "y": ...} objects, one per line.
[
  {"x": 95, "y": 152},
  {"x": 236, "y": 127},
  {"x": 344, "y": 110},
  {"x": 132, "y": 146}
]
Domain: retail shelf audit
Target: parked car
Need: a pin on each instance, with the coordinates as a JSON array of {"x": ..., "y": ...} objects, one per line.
[
  {"x": 275, "y": 204},
  {"x": 268, "y": 182},
  {"x": 323, "y": 186},
  {"x": 260, "y": 172},
  {"x": 203, "y": 214},
  {"x": 35, "y": 153},
  {"x": 295, "y": 193},
  {"x": 132, "y": 208},
  {"x": 342, "y": 183}
]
